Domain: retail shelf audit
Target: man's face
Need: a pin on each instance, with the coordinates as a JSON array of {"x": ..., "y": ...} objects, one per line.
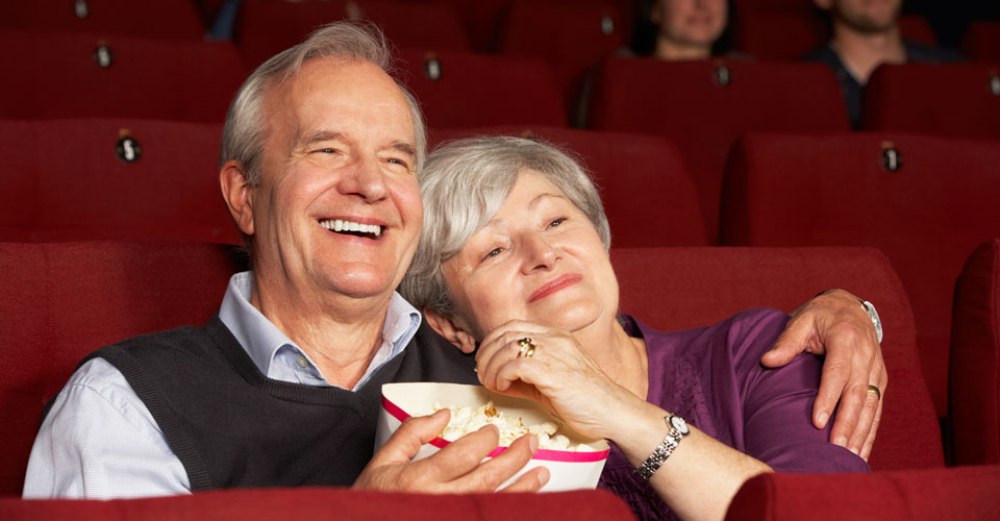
[
  {"x": 866, "y": 16},
  {"x": 338, "y": 207}
]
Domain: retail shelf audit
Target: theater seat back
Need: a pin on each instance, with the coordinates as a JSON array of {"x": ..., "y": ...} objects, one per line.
[{"x": 680, "y": 288}]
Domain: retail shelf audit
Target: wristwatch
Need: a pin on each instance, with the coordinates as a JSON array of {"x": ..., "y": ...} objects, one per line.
[
  {"x": 876, "y": 322},
  {"x": 678, "y": 429}
]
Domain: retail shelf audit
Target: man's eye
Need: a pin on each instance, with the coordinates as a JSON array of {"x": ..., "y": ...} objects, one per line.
[
  {"x": 397, "y": 161},
  {"x": 326, "y": 150}
]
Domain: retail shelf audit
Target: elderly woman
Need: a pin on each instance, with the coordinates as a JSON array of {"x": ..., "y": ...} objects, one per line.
[{"x": 514, "y": 261}]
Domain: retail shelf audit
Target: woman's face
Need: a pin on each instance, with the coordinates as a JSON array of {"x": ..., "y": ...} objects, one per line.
[
  {"x": 690, "y": 22},
  {"x": 540, "y": 259}
]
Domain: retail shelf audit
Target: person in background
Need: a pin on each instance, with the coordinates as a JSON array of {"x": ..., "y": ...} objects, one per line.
[
  {"x": 865, "y": 34},
  {"x": 687, "y": 29}
]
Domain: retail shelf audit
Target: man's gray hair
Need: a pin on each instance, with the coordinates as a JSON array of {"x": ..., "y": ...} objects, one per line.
[
  {"x": 246, "y": 130},
  {"x": 464, "y": 184}
]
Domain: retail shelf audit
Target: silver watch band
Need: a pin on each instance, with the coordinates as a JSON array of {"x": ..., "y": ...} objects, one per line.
[{"x": 677, "y": 429}]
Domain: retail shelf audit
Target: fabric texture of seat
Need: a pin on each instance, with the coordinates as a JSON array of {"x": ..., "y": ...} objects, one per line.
[
  {"x": 327, "y": 503},
  {"x": 974, "y": 366},
  {"x": 460, "y": 89},
  {"x": 927, "y": 215},
  {"x": 948, "y": 99},
  {"x": 647, "y": 193},
  {"x": 267, "y": 27},
  {"x": 982, "y": 41},
  {"x": 61, "y": 301},
  {"x": 967, "y": 493},
  {"x": 169, "y": 19},
  {"x": 680, "y": 288},
  {"x": 571, "y": 37},
  {"x": 704, "y": 106},
  {"x": 112, "y": 179},
  {"x": 88, "y": 75}
]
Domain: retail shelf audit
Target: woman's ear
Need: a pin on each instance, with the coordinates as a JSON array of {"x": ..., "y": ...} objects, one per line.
[{"x": 451, "y": 331}]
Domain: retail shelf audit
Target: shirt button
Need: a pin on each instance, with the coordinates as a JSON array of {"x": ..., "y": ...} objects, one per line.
[{"x": 303, "y": 363}]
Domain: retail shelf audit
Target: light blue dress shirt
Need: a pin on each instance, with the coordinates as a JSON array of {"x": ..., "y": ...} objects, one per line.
[{"x": 100, "y": 441}]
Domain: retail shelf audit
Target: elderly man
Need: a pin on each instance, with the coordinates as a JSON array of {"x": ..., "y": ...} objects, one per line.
[
  {"x": 865, "y": 35},
  {"x": 321, "y": 150}
]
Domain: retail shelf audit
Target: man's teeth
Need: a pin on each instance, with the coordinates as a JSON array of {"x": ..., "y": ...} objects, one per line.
[{"x": 339, "y": 225}]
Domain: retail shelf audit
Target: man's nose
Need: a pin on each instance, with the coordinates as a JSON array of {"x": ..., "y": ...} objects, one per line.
[{"x": 365, "y": 179}]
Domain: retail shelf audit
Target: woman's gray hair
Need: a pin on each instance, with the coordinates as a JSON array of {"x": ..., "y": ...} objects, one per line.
[
  {"x": 245, "y": 130},
  {"x": 464, "y": 184}
]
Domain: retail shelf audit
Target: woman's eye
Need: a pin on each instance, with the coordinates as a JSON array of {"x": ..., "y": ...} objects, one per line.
[
  {"x": 494, "y": 252},
  {"x": 557, "y": 222}
]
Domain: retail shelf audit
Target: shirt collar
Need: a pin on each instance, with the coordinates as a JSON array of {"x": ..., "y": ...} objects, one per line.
[{"x": 262, "y": 340}]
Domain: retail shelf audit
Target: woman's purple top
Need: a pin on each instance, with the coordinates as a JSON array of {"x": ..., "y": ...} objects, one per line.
[{"x": 712, "y": 377}]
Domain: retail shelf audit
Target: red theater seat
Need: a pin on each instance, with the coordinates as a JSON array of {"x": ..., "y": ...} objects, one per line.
[
  {"x": 80, "y": 75},
  {"x": 458, "y": 89},
  {"x": 71, "y": 181},
  {"x": 173, "y": 19},
  {"x": 789, "y": 34},
  {"x": 61, "y": 301},
  {"x": 328, "y": 503},
  {"x": 703, "y": 106},
  {"x": 982, "y": 41},
  {"x": 974, "y": 367},
  {"x": 967, "y": 493},
  {"x": 927, "y": 215},
  {"x": 266, "y": 27},
  {"x": 571, "y": 37},
  {"x": 949, "y": 99},
  {"x": 647, "y": 192},
  {"x": 679, "y": 288}
]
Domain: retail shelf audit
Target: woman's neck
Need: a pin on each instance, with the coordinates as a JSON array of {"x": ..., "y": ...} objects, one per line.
[{"x": 622, "y": 357}]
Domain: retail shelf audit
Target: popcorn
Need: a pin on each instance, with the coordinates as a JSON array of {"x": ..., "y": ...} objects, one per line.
[{"x": 470, "y": 419}]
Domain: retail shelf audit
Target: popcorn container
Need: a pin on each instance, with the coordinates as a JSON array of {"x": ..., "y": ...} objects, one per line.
[{"x": 568, "y": 469}]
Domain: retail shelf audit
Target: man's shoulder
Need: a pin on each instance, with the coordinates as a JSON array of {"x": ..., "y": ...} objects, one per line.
[
  {"x": 164, "y": 345},
  {"x": 918, "y": 52},
  {"x": 430, "y": 357},
  {"x": 824, "y": 53}
]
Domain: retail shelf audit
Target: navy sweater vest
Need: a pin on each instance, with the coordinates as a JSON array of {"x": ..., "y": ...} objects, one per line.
[{"x": 230, "y": 426}]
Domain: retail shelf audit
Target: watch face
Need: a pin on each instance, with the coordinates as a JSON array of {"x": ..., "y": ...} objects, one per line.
[{"x": 679, "y": 424}]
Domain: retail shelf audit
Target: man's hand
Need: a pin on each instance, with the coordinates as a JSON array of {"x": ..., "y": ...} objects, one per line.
[
  {"x": 457, "y": 468},
  {"x": 835, "y": 324}
]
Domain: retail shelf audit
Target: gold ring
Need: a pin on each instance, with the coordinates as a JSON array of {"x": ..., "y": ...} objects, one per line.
[
  {"x": 527, "y": 348},
  {"x": 875, "y": 390}
]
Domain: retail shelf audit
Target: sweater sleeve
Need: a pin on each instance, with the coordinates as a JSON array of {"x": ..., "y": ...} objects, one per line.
[{"x": 777, "y": 403}]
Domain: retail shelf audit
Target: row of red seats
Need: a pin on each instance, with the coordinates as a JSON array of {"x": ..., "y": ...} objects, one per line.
[
  {"x": 925, "y": 201},
  {"x": 85, "y": 295}
]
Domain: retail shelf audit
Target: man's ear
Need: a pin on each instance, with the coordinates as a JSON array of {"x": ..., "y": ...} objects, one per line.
[
  {"x": 236, "y": 191},
  {"x": 451, "y": 331}
]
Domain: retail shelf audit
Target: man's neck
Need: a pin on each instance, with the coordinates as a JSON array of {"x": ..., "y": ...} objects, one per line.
[
  {"x": 673, "y": 51},
  {"x": 861, "y": 53},
  {"x": 340, "y": 334}
]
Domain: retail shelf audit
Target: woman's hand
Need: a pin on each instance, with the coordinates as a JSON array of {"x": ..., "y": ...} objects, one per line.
[{"x": 557, "y": 374}]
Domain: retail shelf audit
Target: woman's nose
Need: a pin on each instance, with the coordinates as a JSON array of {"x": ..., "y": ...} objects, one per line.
[{"x": 539, "y": 253}]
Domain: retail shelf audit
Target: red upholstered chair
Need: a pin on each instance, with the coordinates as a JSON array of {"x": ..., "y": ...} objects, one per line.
[
  {"x": 703, "y": 106},
  {"x": 967, "y": 493},
  {"x": 927, "y": 215},
  {"x": 328, "y": 503},
  {"x": 786, "y": 34},
  {"x": 571, "y": 37},
  {"x": 71, "y": 181},
  {"x": 173, "y": 19},
  {"x": 266, "y": 27},
  {"x": 61, "y": 301},
  {"x": 974, "y": 367},
  {"x": 949, "y": 99},
  {"x": 81, "y": 75},
  {"x": 458, "y": 89},
  {"x": 646, "y": 190},
  {"x": 982, "y": 41},
  {"x": 679, "y": 288}
]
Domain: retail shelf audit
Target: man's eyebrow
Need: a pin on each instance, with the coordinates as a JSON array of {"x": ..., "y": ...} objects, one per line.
[
  {"x": 321, "y": 135},
  {"x": 405, "y": 148}
]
